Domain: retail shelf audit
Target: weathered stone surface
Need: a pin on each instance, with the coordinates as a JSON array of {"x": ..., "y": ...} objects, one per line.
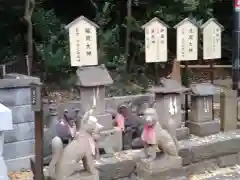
[
  {"x": 20, "y": 132},
  {"x": 112, "y": 168},
  {"x": 144, "y": 174},
  {"x": 228, "y": 114},
  {"x": 166, "y": 167},
  {"x": 182, "y": 133},
  {"x": 18, "y": 149},
  {"x": 201, "y": 167},
  {"x": 15, "y": 96},
  {"x": 18, "y": 164},
  {"x": 22, "y": 114},
  {"x": 228, "y": 160},
  {"x": 204, "y": 128},
  {"x": 203, "y": 148}
]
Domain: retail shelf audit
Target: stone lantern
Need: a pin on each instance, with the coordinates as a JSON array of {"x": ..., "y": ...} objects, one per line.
[
  {"x": 91, "y": 83},
  {"x": 168, "y": 103},
  {"x": 202, "y": 122}
]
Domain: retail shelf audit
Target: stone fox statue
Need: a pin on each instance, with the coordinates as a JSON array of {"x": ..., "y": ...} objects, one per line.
[
  {"x": 65, "y": 164},
  {"x": 158, "y": 135}
]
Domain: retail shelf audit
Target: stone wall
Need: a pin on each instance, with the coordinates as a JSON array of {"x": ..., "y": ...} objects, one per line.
[
  {"x": 19, "y": 142},
  {"x": 199, "y": 154}
]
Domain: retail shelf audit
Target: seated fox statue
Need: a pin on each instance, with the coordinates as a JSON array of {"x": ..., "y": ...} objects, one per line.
[
  {"x": 65, "y": 164},
  {"x": 156, "y": 135}
]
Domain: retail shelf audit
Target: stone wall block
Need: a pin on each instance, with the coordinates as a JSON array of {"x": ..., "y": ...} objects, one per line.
[
  {"x": 15, "y": 96},
  {"x": 22, "y": 114},
  {"x": 228, "y": 160},
  {"x": 20, "y": 132},
  {"x": 215, "y": 149},
  {"x": 18, "y": 149}
]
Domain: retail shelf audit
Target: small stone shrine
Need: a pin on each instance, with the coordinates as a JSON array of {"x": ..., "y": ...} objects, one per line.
[
  {"x": 92, "y": 81},
  {"x": 6, "y": 124},
  {"x": 168, "y": 103},
  {"x": 202, "y": 122}
]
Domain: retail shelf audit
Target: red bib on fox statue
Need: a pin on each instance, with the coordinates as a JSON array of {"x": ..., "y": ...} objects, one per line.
[
  {"x": 149, "y": 134},
  {"x": 120, "y": 121}
]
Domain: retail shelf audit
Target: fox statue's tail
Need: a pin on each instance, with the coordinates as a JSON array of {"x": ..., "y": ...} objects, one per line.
[{"x": 57, "y": 148}]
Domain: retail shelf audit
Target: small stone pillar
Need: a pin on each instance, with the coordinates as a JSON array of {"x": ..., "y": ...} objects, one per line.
[
  {"x": 6, "y": 124},
  {"x": 201, "y": 121},
  {"x": 92, "y": 81},
  {"x": 168, "y": 104},
  {"x": 228, "y": 112}
]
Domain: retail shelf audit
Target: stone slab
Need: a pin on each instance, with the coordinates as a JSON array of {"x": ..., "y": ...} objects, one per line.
[
  {"x": 15, "y": 96},
  {"x": 84, "y": 175},
  {"x": 201, "y": 167},
  {"x": 196, "y": 149},
  {"x": 228, "y": 160},
  {"x": 20, "y": 132},
  {"x": 166, "y": 167},
  {"x": 204, "y": 128},
  {"x": 182, "y": 133},
  {"x": 173, "y": 173},
  {"x": 18, "y": 149},
  {"x": 162, "y": 163},
  {"x": 22, "y": 114},
  {"x": 18, "y": 164}
]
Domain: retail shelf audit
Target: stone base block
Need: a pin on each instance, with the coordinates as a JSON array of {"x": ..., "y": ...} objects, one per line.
[
  {"x": 182, "y": 133},
  {"x": 204, "y": 128},
  {"x": 166, "y": 167},
  {"x": 18, "y": 164},
  {"x": 3, "y": 169},
  {"x": 105, "y": 119},
  {"x": 83, "y": 175}
]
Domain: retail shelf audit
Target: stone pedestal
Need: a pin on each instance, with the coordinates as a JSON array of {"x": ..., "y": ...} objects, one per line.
[
  {"x": 92, "y": 82},
  {"x": 201, "y": 121},
  {"x": 82, "y": 175},
  {"x": 168, "y": 104},
  {"x": 228, "y": 112},
  {"x": 6, "y": 124},
  {"x": 164, "y": 168}
]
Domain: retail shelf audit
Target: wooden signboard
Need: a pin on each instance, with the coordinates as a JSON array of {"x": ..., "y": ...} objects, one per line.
[
  {"x": 212, "y": 46},
  {"x": 187, "y": 40},
  {"x": 83, "y": 42},
  {"x": 155, "y": 41}
]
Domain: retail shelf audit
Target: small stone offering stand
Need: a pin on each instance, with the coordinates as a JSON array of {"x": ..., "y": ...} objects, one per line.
[
  {"x": 168, "y": 103},
  {"x": 92, "y": 81},
  {"x": 6, "y": 124},
  {"x": 202, "y": 122}
]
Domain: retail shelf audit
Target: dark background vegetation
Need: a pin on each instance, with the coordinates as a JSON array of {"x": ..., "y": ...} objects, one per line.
[{"x": 131, "y": 74}]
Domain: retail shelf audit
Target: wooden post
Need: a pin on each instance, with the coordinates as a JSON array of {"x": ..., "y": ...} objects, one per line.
[{"x": 36, "y": 101}]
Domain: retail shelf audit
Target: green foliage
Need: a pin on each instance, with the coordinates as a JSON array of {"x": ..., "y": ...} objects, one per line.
[{"x": 51, "y": 39}]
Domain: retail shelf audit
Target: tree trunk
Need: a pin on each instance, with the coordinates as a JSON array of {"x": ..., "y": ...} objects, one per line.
[
  {"x": 29, "y": 7},
  {"x": 128, "y": 33}
]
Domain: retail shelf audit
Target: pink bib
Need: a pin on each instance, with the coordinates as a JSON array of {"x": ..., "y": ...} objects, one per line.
[
  {"x": 120, "y": 121},
  {"x": 149, "y": 135}
]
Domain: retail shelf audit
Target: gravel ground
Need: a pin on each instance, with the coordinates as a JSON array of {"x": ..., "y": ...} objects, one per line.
[{"x": 228, "y": 173}]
